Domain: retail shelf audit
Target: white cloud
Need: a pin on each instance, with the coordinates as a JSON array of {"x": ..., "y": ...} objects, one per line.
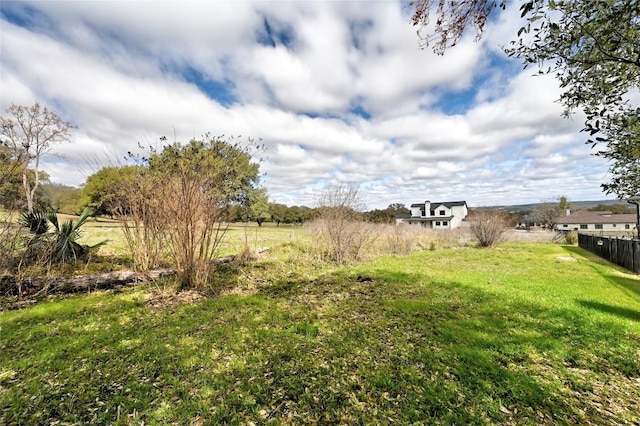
[{"x": 119, "y": 71}]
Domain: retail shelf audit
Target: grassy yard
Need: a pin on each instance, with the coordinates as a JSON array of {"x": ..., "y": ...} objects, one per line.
[
  {"x": 520, "y": 334},
  {"x": 237, "y": 235}
]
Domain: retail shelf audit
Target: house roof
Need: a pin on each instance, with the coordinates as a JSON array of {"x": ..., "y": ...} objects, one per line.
[
  {"x": 449, "y": 204},
  {"x": 587, "y": 217}
]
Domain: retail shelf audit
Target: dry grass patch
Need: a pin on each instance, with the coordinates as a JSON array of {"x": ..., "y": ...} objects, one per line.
[{"x": 158, "y": 299}]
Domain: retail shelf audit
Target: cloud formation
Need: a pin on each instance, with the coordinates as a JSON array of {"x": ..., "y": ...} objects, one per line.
[{"x": 339, "y": 92}]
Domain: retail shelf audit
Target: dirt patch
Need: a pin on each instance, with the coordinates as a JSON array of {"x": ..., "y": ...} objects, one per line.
[
  {"x": 160, "y": 300},
  {"x": 566, "y": 259}
]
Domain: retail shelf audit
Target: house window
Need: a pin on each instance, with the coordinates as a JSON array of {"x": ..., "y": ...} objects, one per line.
[
  {"x": 437, "y": 223},
  {"x": 598, "y": 226},
  {"x": 433, "y": 212},
  {"x": 614, "y": 225},
  {"x": 565, "y": 226},
  {"x": 442, "y": 212},
  {"x": 626, "y": 226},
  {"x": 584, "y": 226},
  {"x": 445, "y": 223}
]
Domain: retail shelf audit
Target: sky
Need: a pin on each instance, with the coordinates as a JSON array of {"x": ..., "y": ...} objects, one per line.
[{"x": 339, "y": 92}]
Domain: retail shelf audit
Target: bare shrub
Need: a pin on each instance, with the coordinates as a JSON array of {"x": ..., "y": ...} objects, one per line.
[
  {"x": 139, "y": 209},
  {"x": 341, "y": 231},
  {"x": 560, "y": 237},
  {"x": 174, "y": 208},
  {"x": 548, "y": 214},
  {"x": 247, "y": 252},
  {"x": 342, "y": 241},
  {"x": 488, "y": 227},
  {"x": 194, "y": 228}
]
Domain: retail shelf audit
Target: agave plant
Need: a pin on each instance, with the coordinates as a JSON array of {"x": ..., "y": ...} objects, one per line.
[{"x": 64, "y": 237}]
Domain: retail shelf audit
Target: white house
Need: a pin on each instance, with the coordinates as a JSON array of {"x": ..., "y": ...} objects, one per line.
[
  {"x": 441, "y": 215},
  {"x": 584, "y": 220}
]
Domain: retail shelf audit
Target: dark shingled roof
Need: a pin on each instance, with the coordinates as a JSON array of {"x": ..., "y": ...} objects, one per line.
[{"x": 449, "y": 204}]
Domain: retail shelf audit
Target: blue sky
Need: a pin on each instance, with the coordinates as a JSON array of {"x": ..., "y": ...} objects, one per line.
[{"x": 339, "y": 92}]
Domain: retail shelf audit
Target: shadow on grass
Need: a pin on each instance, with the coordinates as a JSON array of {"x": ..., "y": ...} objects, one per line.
[
  {"x": 497, "y": 356},
  {"x": 373, "y": 346},
  {"x": 628, "y": 284},
  {"x": 224, "y": 277},
  {"x": 609, "y": 309}
]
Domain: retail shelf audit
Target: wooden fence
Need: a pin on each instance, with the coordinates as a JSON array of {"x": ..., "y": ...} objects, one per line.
[{"x": 621, "y": 251}]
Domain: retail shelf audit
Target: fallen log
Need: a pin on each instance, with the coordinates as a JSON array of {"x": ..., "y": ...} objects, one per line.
[
  {"x": 79, "y": 283},
  {"x": 9, "y": 285}
]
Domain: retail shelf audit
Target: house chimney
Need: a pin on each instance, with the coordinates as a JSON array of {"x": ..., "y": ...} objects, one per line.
[
  {"x": 427, "y": 208},
  {"x": 567, "y": 212}
]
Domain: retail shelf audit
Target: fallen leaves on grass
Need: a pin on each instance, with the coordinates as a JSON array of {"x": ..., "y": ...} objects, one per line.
[{"x": 160, "y": 300}]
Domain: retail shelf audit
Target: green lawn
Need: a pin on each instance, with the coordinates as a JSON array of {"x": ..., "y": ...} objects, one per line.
[
  {"x": 520, "y": 334},
  {"x": 269, "y": 234}
]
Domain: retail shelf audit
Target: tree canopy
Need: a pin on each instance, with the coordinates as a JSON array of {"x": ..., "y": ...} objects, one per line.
[
  {"x": 592, "y": 48},
  {"x": 106, "y": 189},
  {"x": 225, "y": 169},
  {"x": 387, "y": 215},
  {"x": 63, "y": 198},
  {"x": 12, "y": 175},
  {"x": 29, "y": 132}
]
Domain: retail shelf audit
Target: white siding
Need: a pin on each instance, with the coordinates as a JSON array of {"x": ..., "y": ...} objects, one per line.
[{"x": 592, "y": 227}]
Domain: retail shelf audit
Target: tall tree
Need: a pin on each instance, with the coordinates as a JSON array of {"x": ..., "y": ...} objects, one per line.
[
  {"x": 30, "y": 132},
  {"x": 592, "y": 48},
  {"x": 193, "y": 186},
  {"x": 259, "y": 206},
  {"x": 278, "y": 213},
  {"x": 548, "y": 214}
]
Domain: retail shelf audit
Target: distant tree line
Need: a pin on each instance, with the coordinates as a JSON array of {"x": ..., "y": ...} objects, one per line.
[{"x": 104, "y": 189}]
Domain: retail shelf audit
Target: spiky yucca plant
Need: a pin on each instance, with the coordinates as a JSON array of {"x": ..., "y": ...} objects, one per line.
[
  {"x": 36, "y": 221},
  {"x": 64, "y": 238},
  {"x": 59, "y": 243}
]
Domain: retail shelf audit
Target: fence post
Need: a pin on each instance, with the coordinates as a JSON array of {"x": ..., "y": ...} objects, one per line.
[
  {"x": 635, "y": 253},
  {"x": 613, "y": 253}
]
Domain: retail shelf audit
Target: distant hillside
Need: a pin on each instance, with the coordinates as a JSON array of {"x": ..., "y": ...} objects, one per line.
[{"x": 575, "y": 205}]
